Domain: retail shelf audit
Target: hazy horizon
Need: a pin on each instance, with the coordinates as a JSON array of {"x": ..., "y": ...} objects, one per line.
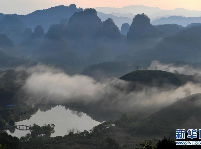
[{"x": 15, "y": 5}]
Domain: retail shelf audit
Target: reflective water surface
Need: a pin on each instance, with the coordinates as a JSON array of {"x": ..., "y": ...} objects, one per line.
[{"x": 63, "y": 119}]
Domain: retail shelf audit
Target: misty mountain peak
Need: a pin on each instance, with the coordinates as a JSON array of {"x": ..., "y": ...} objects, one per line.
[
  {"x": 141, "y": 19},
  {"x": 83, "y": 23},
  {"x": 38, "y": 32},
  {"x": 141, "y": 28},
  {"x": 109, "y": 30}
]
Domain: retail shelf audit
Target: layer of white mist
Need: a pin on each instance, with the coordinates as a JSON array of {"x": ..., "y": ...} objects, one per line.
[{"x": 47, "y": 84}]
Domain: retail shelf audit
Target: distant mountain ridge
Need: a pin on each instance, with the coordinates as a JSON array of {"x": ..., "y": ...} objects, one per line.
[
  {"x": 177, "y": 12},
  {"x": 46, "y": 17},
  {"x": 132, "y": 9},
  {"x": 53, "y": 15},
  {"x": 158, "y": 16},
  {"x": 119, "y": 20},
  {"x": 184, "y": 21},
  {"x": 49, "y": 16},
  {"x": 152, "y": 12}
]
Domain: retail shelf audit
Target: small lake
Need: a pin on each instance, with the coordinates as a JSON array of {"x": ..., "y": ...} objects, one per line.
[{"x": 64, "y": 120}]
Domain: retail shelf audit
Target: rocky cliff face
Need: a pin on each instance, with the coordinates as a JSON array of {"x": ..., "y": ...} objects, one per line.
[
  {"x": 109, "y": 30},
  {"x": 83, "y": 24},
  {"x": 141, "y": 28}
]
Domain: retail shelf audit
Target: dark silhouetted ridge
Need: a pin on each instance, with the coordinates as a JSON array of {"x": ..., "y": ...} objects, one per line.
[{"x": 157, "y": 78}]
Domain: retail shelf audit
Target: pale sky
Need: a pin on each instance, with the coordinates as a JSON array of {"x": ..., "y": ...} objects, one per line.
[{"x": 27, "y": 6}]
